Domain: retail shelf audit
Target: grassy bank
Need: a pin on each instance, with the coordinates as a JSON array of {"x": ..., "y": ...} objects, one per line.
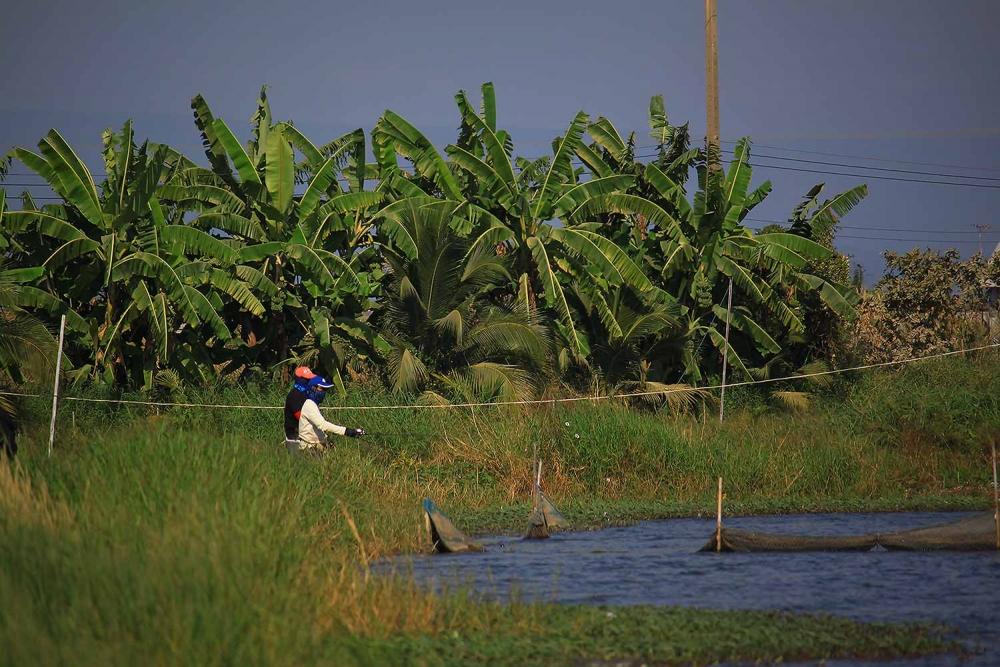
[
  {"x": 169, "y": 546},
  {"x": 190, "y": 536}
]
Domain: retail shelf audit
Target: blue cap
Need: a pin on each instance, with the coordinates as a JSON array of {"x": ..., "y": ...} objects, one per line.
[{"x": 319, "y": 382}]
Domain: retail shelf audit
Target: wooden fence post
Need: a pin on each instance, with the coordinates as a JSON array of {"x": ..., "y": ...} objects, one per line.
[
  {"x": 55, "y": 384},
  {"x": 718, "y": 519},
  {"x": 996, "y": 500}
]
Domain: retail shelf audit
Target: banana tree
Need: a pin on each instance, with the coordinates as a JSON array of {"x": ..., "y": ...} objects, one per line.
[
  {"x": 817, "y": 219},
  {"x": 514, "y": 213},
  {"x": 307, "y": 250},
  {"x": 629, "y": 331},
  {"x": 609, "y": 153},
  {"x": 696, "y": 251},
  {"x": 126, "y": 279}
]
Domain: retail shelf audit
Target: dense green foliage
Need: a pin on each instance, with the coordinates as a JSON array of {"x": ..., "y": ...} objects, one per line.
[
  {"x": 929, "y": 302},
  {"x": 472, "y": 272}
]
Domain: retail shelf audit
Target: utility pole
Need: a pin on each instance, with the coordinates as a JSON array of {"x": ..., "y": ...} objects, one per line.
[
  {"x": 712, "y": 85},
  {"x": 981, "y": 229}
]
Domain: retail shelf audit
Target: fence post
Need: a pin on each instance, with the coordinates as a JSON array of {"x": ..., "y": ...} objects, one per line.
[
  {"x": 996, "y": 501},
  {"x": 55, "y": 384},
  {"x": 725, "y": 351},
  {"x": 718, "y": 519}
]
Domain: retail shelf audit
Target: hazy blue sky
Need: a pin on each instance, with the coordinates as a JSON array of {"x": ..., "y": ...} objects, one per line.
[{"x": 901, "y": 80}]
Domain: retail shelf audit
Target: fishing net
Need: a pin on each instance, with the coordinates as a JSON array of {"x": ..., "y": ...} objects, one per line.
[
  {"x": 746, "y": 540},
  {"x": 544, "y": 518},
  {"x": 970, "y": 534},
  {"x": 445, "y": 537},
  {"x": 975, "y": 533},
  {"x": 553, "y": 517},
  {"x": 537, "y": 528}
]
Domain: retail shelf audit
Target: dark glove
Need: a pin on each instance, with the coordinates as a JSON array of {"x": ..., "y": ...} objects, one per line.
[{"x": 355, "y": 432}]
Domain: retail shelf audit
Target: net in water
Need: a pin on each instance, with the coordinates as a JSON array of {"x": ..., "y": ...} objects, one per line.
[
  {"x": 537, "y": 528},
  {"x": 544, "y": 518},
  {"x": 973, "y": 533},
  {"x": 734, "y": 539},
  {"x": 553, "y": 517},
  {"x": 445, "y": 537}
]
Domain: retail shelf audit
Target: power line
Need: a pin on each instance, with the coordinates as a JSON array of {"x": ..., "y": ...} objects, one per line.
[
  {"x": 25, "y": 185},
  {"x": 908, "y": 240},
  {"x": 849, "y": 156},
  {"x": 782, "y": 168},
  {"x": 981, "y": 186},
  {"x": 874, "y": 159},
  {"x": 18, "y": 198},
  {"x": 866, "y": 176},
  {"x": 875, "y": 229},
  {"x": 579, "y": 162},
  {"x": 900, "y": 239},
  {"x": 861, "y": 166}
]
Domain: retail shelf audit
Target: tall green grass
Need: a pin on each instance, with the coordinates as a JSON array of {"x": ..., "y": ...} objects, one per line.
[
  {"x": 158, "y": 545},
  {"x": 882, "y": 437},
  {"x": 191, "y": 536}
]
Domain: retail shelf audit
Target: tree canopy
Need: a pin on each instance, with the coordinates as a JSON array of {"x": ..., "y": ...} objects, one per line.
[{"x": 466, "y": 272}]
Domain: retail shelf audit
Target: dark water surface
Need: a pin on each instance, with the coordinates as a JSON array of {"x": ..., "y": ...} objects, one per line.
[{"x": 656, "y": 562}]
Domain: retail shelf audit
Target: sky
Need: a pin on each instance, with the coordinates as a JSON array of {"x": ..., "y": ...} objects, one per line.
[{"x": 904, "y": 85}]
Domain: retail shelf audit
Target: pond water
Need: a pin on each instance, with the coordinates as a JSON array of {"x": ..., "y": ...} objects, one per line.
[{"x": 657, "y": 562}]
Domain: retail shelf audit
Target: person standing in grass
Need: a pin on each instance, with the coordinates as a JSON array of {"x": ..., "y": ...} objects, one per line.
[{"x": 305, "y": 427}]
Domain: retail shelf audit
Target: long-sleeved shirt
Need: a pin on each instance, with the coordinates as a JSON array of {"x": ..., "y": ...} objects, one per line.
[{"x": 313, "y": 427}]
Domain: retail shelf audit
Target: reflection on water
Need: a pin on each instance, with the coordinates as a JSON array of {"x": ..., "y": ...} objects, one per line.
[{"x": 656, "y": 562}]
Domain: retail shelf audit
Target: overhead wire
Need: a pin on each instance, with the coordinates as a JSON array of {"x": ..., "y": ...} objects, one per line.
[
  {"x": 861, "y": 166},
  {"x": 868, "y": 157},
  {"x": 640, "y": 155},
  {"x": 897, "y": 179},
  {"x": 908, "y": 240},
  {"x": 875, "y": 229},
  {"x": 541, "y": 401},
  {"x": 939, "y": 175}
]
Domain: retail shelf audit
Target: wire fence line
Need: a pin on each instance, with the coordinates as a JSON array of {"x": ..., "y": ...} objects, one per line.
[{"x": 541, "y": 401}]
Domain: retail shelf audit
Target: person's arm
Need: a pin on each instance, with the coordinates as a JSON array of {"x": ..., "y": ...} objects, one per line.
[{"x": 310, "y": 411}]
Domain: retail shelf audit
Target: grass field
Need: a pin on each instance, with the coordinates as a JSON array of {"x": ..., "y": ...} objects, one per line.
[{"x": 192, "y": 537}]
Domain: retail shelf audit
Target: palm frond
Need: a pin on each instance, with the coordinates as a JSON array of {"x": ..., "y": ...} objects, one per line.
[
  {"x": 678, "y": 397},
  {"x": 406, "y": 371},
  {"x": 816, "y": 366},
  {"x": 798, "y": 401},
  {"x": 832, "y": 210},
  {"x": 503, "y": 382},
  {"x": 501, "y": 334}
]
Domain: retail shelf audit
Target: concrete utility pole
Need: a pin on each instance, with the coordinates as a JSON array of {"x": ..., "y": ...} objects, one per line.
[
  {"x": 712, "y": 84},
  {"x": 981, "y": 229}
]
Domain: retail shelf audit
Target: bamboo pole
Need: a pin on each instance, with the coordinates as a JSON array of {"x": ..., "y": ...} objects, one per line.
[
  {"x": 718, "y": 519},
  {"x": 534, "y": 476},
  {"x": 55, "y": 384},
  {"x": 537, "y": 495},
  {"x": 996, "y": 500}
]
